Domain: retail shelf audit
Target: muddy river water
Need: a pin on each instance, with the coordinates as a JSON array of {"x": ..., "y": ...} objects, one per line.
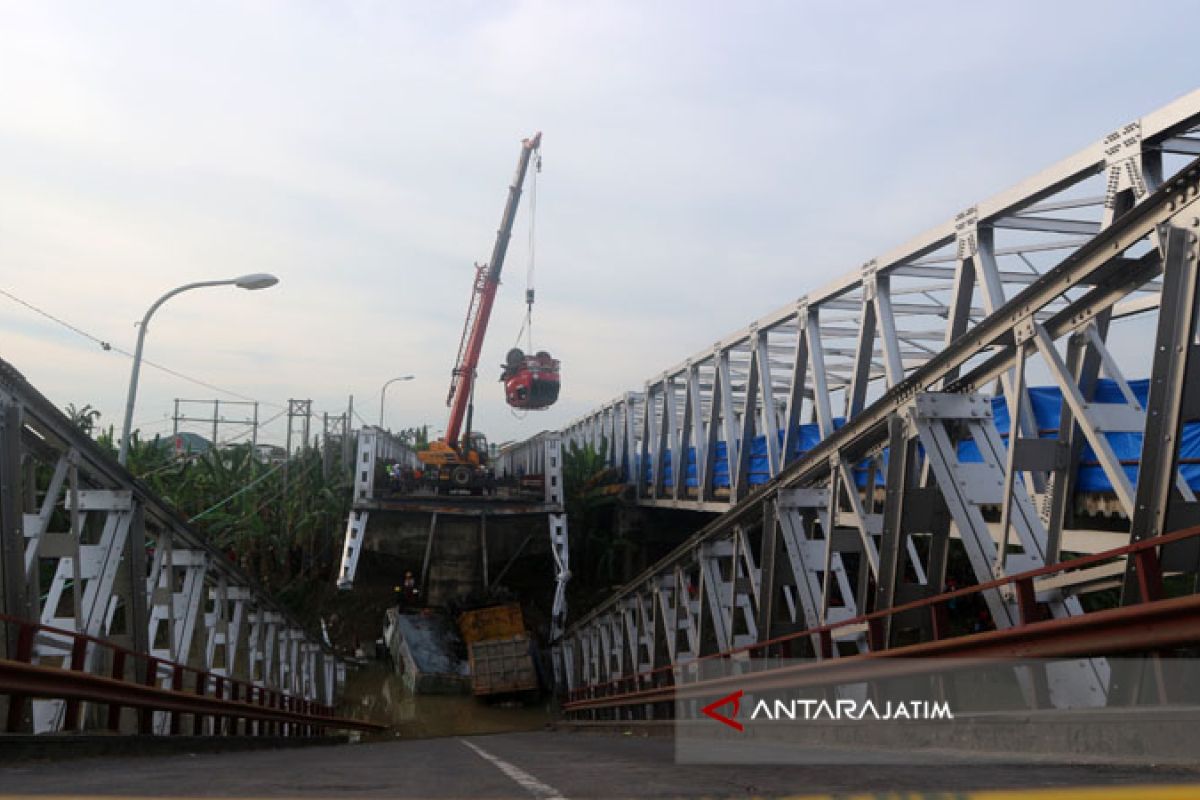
[{"x": 377, "y": 693}]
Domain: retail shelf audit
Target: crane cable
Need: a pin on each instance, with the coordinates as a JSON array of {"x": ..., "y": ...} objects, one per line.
[{"x": 527, "y": 323}]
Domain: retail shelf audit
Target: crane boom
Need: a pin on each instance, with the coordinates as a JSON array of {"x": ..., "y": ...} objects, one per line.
[{"x": 483, "y": 294}]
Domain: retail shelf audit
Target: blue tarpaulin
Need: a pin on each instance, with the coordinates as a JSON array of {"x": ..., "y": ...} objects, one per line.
[{"x": 1046, "y": 403}]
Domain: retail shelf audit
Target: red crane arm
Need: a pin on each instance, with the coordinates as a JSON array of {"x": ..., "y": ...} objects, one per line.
[{"x": 483, "y": 294}]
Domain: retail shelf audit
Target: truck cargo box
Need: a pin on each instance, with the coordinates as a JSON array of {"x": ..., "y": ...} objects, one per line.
[
  {"x": 502, "y": 665},
  {"x": 493, "y": 622},
  {"x": 426, "y": 651}
]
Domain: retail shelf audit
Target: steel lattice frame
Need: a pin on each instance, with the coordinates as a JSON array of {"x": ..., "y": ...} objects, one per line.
[
  {"x": 123, "y": 566},
  {"x": 373, "y": 444},
  {"x": 822, "y": 357},
  {"x": 906, "y": 349}
]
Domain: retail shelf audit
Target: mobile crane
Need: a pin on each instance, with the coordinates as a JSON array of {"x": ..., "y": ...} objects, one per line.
[{"x": 459, "y": 459}]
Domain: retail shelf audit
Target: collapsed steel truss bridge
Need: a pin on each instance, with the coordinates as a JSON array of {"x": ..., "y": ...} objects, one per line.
[{"x": 539, "y": 457}]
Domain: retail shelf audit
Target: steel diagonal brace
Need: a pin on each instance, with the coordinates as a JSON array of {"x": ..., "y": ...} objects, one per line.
[
  {"x": 862, "y": 521},
  {"x": 1109, "y": 461},
  {"x": 715, "y": 592},
  {"x": 1172, "y": 395},
  {"x": 37, "y": 525},
  {"x": 1113, "y": 371}
]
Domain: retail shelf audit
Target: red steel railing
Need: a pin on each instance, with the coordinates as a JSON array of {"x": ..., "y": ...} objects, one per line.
[
  {"x": 133, "y": 681},
  {"x": 1151, "y": 623}
]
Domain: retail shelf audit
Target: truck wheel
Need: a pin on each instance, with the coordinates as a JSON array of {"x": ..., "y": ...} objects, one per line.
[
  {"x": 514, "y": 358},
  {"x": 461, "y": 477}
]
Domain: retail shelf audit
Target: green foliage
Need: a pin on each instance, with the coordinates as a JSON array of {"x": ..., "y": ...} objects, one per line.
[
  {"x": 599, "y": 552},
  {"x": 416, "y": 438},
  {"x": 281, "y": 523},
  {"x": 85, "y": 418},
  {"x": 581, "y": 465}
]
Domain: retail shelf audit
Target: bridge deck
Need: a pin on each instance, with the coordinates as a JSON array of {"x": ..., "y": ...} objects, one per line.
[
  {"x": 535, "y": 764},
  {"x": 472, "y": 506}
]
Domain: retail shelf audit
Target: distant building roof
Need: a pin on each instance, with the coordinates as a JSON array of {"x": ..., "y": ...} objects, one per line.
[{"x": 185, "y": 442}]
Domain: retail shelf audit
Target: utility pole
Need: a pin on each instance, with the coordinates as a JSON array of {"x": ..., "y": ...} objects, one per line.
[
  {"x": 326, "y": 453},
  {"x": 254, "y": 433},
  {"x": 298, "y": 409},
  {"x": 336, "y": 426},
  {"x": 347, "y": 448}
]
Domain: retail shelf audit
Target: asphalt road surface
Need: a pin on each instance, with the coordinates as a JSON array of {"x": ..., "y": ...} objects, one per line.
[{"x": 541, "y": 764}]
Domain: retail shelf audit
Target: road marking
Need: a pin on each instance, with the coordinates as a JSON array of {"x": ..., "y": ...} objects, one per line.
[{"x": 528, "y": 782}]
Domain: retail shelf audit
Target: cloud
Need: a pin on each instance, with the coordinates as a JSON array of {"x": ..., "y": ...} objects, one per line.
[{"x": 704, "y": 164}]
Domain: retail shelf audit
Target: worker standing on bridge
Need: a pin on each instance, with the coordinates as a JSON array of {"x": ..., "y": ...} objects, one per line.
[{"x": 410, "y": 589}]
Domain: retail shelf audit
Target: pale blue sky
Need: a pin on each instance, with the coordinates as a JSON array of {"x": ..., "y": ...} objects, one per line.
[{"x": 704, "y": 164}]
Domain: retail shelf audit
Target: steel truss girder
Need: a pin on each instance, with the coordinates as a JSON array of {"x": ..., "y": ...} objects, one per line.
[
  {"x": 77, "y": 516},
  {"x": 767, "y": 378},
  {"x": 1013, "y": 478}
]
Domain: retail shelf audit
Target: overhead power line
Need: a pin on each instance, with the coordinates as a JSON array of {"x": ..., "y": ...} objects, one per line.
[
  {"x": 240, "y": 491},
  {"x": 294, "y": 482},
  {"x": 190, "y": 457},
  {"x": 108, "y": 346}
]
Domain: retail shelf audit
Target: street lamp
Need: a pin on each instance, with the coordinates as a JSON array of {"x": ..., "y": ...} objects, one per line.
[
  {"x": 257, "y": 280},
  {"x": 383, "y": 393}
]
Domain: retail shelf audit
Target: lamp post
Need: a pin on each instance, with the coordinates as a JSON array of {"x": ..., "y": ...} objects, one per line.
[
  {"x": 258, "y": 280},
  {"x": 383, "y": 394}
]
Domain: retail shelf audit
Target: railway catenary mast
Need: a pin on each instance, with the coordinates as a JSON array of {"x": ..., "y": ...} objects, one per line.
[{"x": 454, "y": 456}]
